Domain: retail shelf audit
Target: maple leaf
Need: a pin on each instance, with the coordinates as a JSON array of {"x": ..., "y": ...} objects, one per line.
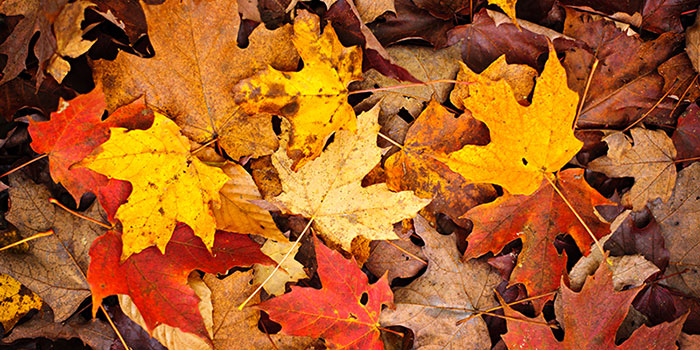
[
  {"x": 649, "y": 161},
  {"x": 590, "y": 320},
  {"x": 54, "y": 266},
  {"x": 314, "y": 99},
  {"x": 396, "y": 263},
  {"x": 450, "y": 290},
  {"x": 16, "y": 301},
  {"x": 538, "y": 219},
  {"x": 414, "y": 167},
  {"x": 157, "y": 281},
  {"x": 191, "y": 75},
  {"x": 508, "y": 6},
  {"x": 329, "y": 189},
  {"x": 291, "y": 270},
  {"x": 75, "y": 131},
  {"x": 680, "y": 228},
  {"x": 344, "y": 312},
  {"x": 526, "y": 142},
  {"x": 169, "y": 184}
]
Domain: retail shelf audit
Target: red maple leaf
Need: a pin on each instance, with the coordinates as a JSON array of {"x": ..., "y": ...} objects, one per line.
[
  {"x": 157, "y": 283},
  {"x": 345, "y": 312},
  {"x": 590, "y": 320},
  {"x": 538, "y": 219},
  {"x": 75, "y": 130}
]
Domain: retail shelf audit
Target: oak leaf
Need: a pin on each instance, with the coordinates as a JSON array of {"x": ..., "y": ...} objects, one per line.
[
  {"x": 649, "y": 161},
  {"x": 450, "y": 290},
  {"x": 314, "y": 99},
  {"x": 328, "y": 189},
  {"x": 526, "y": 142},
  {"x": 75, "y": 130},
  {"x": 54, "y": 266},
  {"x": 537, "y": 220},
  {"x": 345, "y": 312},
  {"x": 169, "y": 184},
  {"x": 157, "y": 282},
  {"x": 197, "y": 61},
  {"x": 590, "y": 320}
]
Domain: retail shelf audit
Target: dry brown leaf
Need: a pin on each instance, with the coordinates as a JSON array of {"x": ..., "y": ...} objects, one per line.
[
  {"x": 692, "y": 43},
  {"x": 385, "y": 258},
  {"x": 649, "y": 161},
  {"x": 69, "y": 38},
  {"x": 237, "y": 213},
  {"x": 679, "y": 219},
  {"x": 49, "y": 268},
  {"x": 424, "y": 63},
  {"x": 328, "y": 189},
  {"x": 447, "y": 291},
  {"x": 197, "y": 61},
  {"x": 369, "y": 10}
]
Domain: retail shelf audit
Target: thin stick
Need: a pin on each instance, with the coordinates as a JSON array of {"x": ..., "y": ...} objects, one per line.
[
  {"x": 279, "y": 264},
  {"x": 390, "y": 140},
  {"x": 597, "y": 243},
  {"x": 585, "y": 91},
  {"x": 652, "y": 107},
  {"x": 53, "y": 201},
  {"x": 680, "y": 99},
  {"x": 686, "y": 160},
  {"x": 406, "y": 252},
  {"x": 509, "y": 304},
  {"x": 204, "y": 145},
  {"x": 25, "y": 164},
  {"x": 119, "y": 335},
  {"x": 30, "y": 238},
  {"x": 451, "y": 81},
  {"x": 391, "y": 331}
]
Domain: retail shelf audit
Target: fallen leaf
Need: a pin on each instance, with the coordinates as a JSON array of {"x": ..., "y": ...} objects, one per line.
[
  {"x": 191, "y": 76},
  {"x": 537, "y": 220},
  {"x": 328, "y": 189},
  {"x": 630, "y": 239},
  {"x": 95, "y": 333},
  {"x": 649, "y": 161},
  {"x": 692, "y": 42},
  {"x": 423, "y": 63},
  {"x": 446, "y": 9},
  {"x": 314, "y": 99},
  {"x": 508, "y": 6},
  {"x": 411, "y": 22},
  {"x": 169, "y": 184},
  {"x": 290, "y": 271},
  {"x": 74, "y": 131},
  {"x": 519, "y": 154},
  {"x": 686, "y": 137},
  {"x": 19, "y": 93},
  {"x": 371, "y": 9},
  {"x": 157, "y": 281},
  {"x": 450, "y": 290},
  {"x": 590, "y": 320},
  {"x": 237, "y": 213},
  {"x": 416, "y": 168},
  {"x": 395, "y": 262},
  {"x": 15, "y": 301},
  {"x": 680, "y": 79},
  {"x": 679, "y": 222},
  {"x": 626, "y": 83},
  {"x": 345, "y": 312},
  {"x": 37, "y": 17},
  {"x": 69, "y": 41},
  {"x": 54, "y": 266}
]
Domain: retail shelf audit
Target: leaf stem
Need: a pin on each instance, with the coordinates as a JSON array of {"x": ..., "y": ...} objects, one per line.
[
  {"x": 54, "y": 201},
  {"x": 390, "y": 140},
  {"x": 205, "y": 145},
  {"x": 501, "y": 306},
  {"x": 25, "y": 164},
  {"x": 585, "y": 91},
  {"x": 114, "y": 327},
  {"x": 680, "y": 99},
  {"x": 571, "y": 207},
  {"x": 451, "y": 81},
  {"x": 30, "y": 238},
  {"x": 279, "y": 264}
]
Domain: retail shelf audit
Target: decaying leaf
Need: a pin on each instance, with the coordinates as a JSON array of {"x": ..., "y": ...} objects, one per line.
[
  {"x": 197, "y": 61},
  {"x": 394, "y": 260},
  {"x": 345, "y": 312},
  {"x": 69, "y": 41},
  {"x": 170, "y": 184},
  {"x": 15, "y": 301},
  {"x": 328, "y": 189},
  {"x": 649, "y": 161},
  {"x": 314, "y": 99},
  {"x": 526, "y": 142},
  {"x": 49, "y": 268},
  {"x": 450, "y": 290}
]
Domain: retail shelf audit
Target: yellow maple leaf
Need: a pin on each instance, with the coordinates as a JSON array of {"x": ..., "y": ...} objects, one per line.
[
  {"x": 169, "y": 184},
  {"x": 16, "y": 299},
  {"x": 314, "y": 99},
  {"x": 329, "y": 188},
  {"x": 508, "y": 6},
  {"x": 527, "y": 142}
]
